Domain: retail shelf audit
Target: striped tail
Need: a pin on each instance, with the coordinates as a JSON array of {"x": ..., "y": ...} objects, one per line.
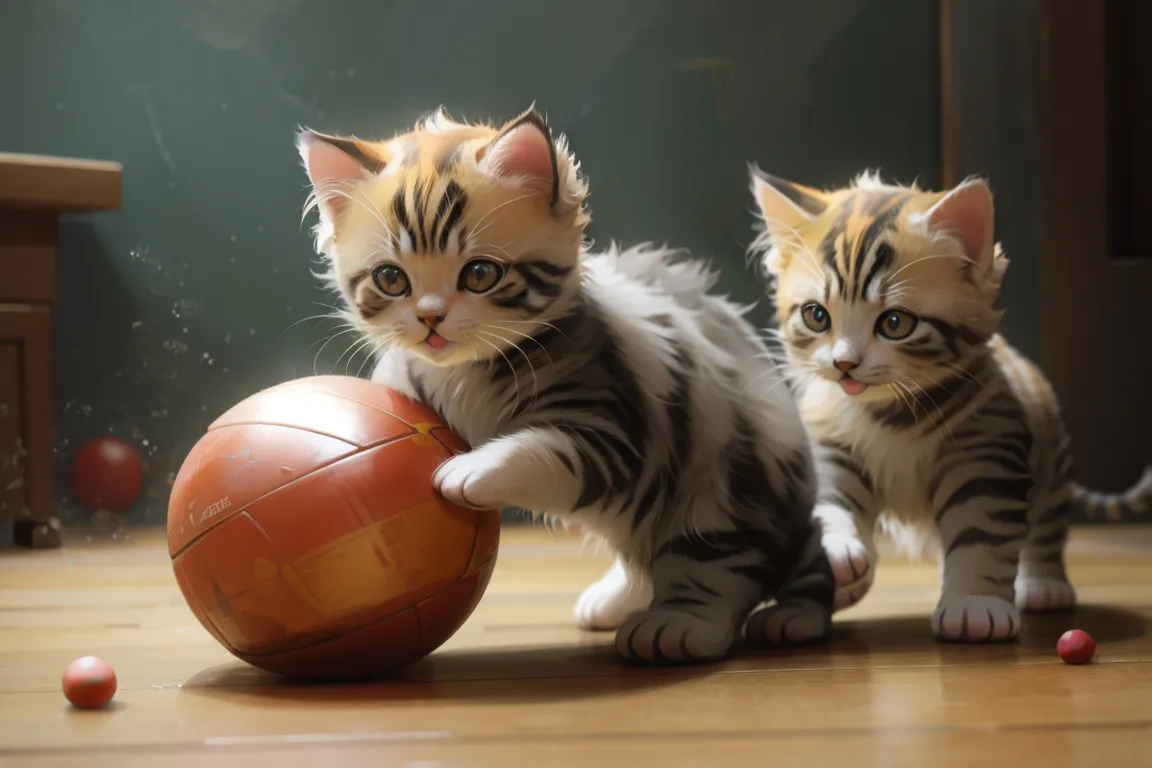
[{"x": 1137, "y": 500}]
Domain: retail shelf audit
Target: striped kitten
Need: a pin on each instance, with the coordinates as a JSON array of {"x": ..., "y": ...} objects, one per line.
[
  {"x": 925, "y": 419},
  {"x": 609, "y": 390}
]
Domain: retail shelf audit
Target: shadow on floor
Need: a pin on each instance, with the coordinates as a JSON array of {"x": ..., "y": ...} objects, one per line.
[
  {"x": 908, "y": 639},
  {"x": 503, "y": 675}
]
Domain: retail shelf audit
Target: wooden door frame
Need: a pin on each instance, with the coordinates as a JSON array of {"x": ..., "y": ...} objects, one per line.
[{"x": 1078, "y": 275}]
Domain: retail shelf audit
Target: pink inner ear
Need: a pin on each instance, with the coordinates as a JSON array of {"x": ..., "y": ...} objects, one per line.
[
  {"x": 523, "y": 151},
  {"x": 327, "y": 163},
  {"x": 967, "y": 215},
  {"x": 327, "y": 166}
]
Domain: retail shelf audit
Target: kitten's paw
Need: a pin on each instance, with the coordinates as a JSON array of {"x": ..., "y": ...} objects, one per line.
[
  {"x": 1036, "y": 594},
  {"x": 851, "y": 565},
  {"x": 664, "y": 636},
  {"x": 975, "y": 619},
  {"x": 608, "y": 602},
  {"x": 471, "y": 480},
  {"x": 796, "y": 623}
]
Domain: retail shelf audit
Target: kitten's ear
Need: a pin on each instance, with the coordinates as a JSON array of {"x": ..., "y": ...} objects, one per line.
[
  {"x": 967, "y": 214},
  {"x": 524, "y": 149},
  {"x": 333, "y": 164},
  {"x": 784, "y": 205}
]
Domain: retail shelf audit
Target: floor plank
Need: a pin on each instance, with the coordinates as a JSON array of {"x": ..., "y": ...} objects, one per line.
[{"x": 518, "y": 683}]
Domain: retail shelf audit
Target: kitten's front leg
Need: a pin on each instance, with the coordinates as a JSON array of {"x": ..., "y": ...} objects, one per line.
[
  {"x": 619, "y": 593},
  {"x": 530, "y": 468},
  {"x": 846, "y": 509},
  {"x": 703, "y": 591},
  {"x": 983, "y": 526}
]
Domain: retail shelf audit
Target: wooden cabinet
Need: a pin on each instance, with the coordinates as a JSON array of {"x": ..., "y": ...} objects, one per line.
[{"x": 34, "y": 192}]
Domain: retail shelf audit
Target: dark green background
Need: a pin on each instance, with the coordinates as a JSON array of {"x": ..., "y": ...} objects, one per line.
[{"x": 184, "y": 301}]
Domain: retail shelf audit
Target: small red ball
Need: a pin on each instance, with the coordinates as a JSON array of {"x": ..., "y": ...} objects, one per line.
[
  {"x": 89, "y": 682},
  {"x": 107, "y": 473},
  {"x": 1076, "y": 647}
]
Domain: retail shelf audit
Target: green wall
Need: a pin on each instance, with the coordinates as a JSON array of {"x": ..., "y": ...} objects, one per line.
[{"x": 189, "y": 298}]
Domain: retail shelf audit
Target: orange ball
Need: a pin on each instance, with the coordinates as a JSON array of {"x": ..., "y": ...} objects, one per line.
[
  {"x": 89, "y": 682},
  {"x": 307, "y": 538},
  {"x": 107, "y": 473}
]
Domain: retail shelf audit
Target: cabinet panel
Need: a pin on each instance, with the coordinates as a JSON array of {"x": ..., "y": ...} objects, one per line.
[{"x": 12, "y": 447}]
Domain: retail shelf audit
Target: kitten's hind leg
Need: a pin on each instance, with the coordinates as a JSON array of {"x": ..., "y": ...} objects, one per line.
[
  {"x": 608, "y": 602},
  {"x": 1042, "y": 583},
  {"x": 704, "y": 586},
  {"x": 802, "y": 612}
]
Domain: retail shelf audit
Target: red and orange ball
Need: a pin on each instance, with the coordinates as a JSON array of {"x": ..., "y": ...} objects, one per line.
[{"x": 307, "y": 538}]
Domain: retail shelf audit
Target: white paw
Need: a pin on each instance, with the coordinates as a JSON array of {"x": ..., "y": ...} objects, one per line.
[
  {"x": 665, "y": 636},
  {"x": 975, "y": 619},
  {"x": 1036, "y": 594},
  {"x": 851, "y": 565},
  {"x": 606, "y": 604},
  {"x": 476, "y": 479},
  {"x": 789, "y": 624}
]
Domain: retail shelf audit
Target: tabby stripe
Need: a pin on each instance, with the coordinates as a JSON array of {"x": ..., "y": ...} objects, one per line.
[
  {"x": 1005, "y": 488},
  {"x": 519, "y": 301},
  {"x": 1056, "y": 537},
  {"x": 548, "y": 268},
  {"x": 1058, "y": 513},
  {"x": 975, "y": 537},
  {"x": 883, "y": 261},
  {"x": 842, "y": 459},
  {"x": 371, "y": 305},
  {"x": 539, "y": 284},
  {"x": 803, "y": 342},
  {"x": 701, "y": 586},
  {"x": 871, "y": 236},
  {"x": 448, "y": 213},
  {"x": 356, "y": 279},
  {"x": 647, "y": 503},
  {"x": 827, "y": 246},
  {"x": 400, "y": 211},
  {"x": 1017, "y": 517},
  {"x": 422, "y": 193}
]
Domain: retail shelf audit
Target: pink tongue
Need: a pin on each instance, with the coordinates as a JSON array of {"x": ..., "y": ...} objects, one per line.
[
  {"x": 436, "y": 341},
  {"x": 852, "y": 387}
]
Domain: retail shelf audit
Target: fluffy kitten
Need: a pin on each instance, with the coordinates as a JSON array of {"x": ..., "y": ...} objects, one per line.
[
  {"x": 924, "y": 417},
  {"x": 610, "y": 390}
]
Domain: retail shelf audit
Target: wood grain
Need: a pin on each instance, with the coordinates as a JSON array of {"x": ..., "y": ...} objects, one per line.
[
  {"x": 58, "y": 184},
  {"x": 519, "y": 684}
]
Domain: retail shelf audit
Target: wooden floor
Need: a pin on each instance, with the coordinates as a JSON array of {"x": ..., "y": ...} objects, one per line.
[{"x": 519, "y": 685}]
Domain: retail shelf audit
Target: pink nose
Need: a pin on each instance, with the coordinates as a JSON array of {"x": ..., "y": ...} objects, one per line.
[
  {"x": 432, "y": 320},
  {"x": 846, "y": 365}
]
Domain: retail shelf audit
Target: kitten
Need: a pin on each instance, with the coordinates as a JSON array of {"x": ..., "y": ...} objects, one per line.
[
  {"x": 609, "y": 390},
  {"x": 924, "y": 417}
]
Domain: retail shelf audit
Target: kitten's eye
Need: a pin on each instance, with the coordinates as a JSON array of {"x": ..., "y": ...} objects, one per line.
[
  {"x": 896, "y": 324},
  {"x": 480, "y": 276},
  {"x": 815, "y": 317},
  {"x": 391, "y": 280}
]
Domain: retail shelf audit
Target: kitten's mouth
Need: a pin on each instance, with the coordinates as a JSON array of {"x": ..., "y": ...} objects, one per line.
[
  {"x": 435, "y": 340},
  {"x": 851, "y": 386}
]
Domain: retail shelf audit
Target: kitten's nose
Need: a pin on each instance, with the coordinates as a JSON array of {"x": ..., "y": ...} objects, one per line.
[
  {"x": 432, "y": 320},
  {"x": 846, "y": 365}
]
